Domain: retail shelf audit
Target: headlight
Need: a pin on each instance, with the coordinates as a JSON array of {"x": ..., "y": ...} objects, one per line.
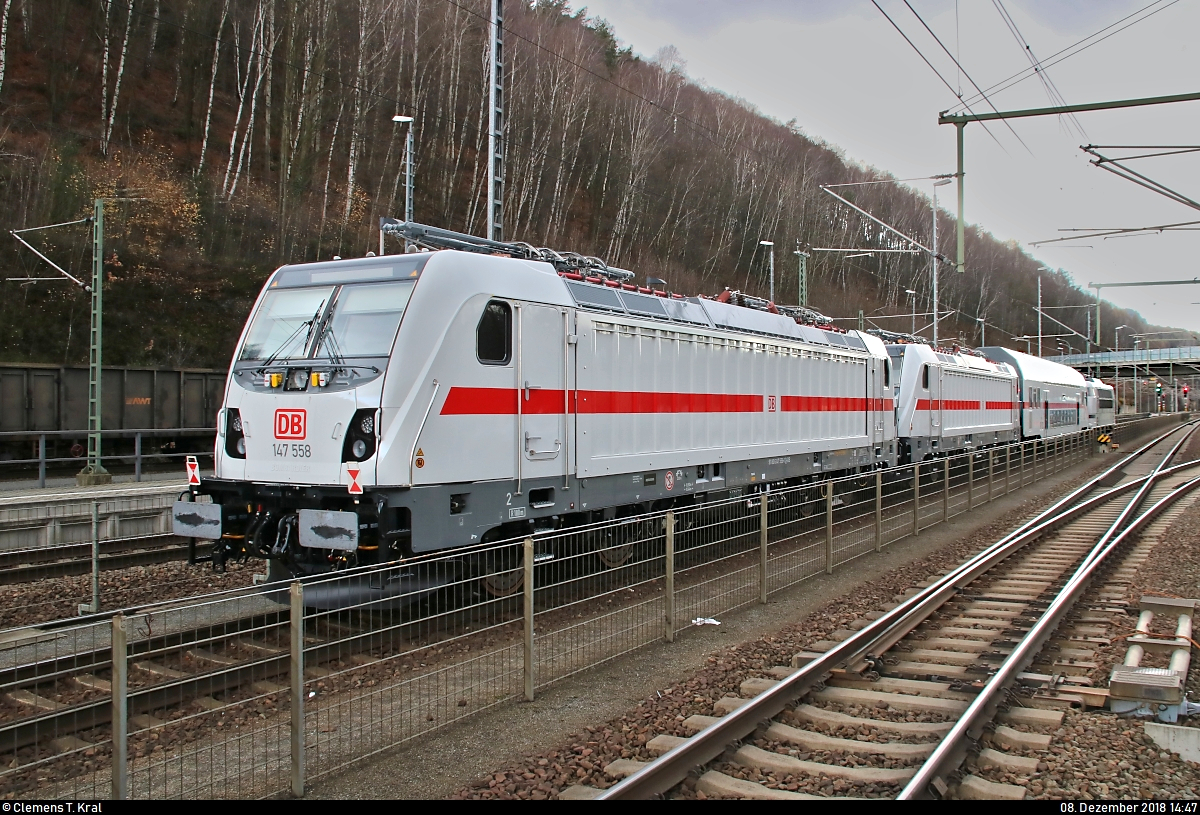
[
  {"x": 235, "y": 444},
  {"x": 361, "y": 442}
]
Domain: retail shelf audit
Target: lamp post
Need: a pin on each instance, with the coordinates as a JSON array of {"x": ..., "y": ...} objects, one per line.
[
  {"x": 1117, "y": 364},
  {"x": 982, "y": 330},
  {"x": 1039, "y": 307},
  {"x": 939, "y": 183},
  {"x": 1136, "y": 400},
  {"x": 771, "y": 246},
  {"x": 408, "y": 171},
  {"x": 912, "y": 295}
]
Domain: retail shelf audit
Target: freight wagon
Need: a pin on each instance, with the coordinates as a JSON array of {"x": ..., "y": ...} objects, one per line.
[{"x": 53, "y": 400}]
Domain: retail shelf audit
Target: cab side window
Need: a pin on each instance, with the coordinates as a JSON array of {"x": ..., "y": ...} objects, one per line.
[
  {"x": 925, "y": 377},
  {"x": 493, "y": 336}
]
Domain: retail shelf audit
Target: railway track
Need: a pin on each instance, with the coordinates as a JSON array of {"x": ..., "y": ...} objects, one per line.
[
  {"x": 177, "y": 671},
  {"x": 891, "y": 706},
  {"x": 38, "y": 563}
]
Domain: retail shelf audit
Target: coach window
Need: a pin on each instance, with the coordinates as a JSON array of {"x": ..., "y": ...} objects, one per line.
[{"x": 493, "y": 336}]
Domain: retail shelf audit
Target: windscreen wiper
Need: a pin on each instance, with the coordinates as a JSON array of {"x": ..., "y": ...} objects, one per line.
[
  {"x": 325, "y": 337},
  {"x": 287, "y": 342}
]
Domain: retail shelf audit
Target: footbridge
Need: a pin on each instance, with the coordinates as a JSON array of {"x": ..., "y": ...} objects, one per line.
[{"x": 1162, "y": 363}]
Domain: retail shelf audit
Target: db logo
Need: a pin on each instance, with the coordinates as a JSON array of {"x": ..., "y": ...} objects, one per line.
[
  {"x": 770, "y": 404},
  {"x": 290, "y": 424}
]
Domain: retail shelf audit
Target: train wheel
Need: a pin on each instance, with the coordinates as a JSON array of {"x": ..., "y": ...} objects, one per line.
[
  {"x": 615, "y": 555},
  {"x": 808, "y": 502},
  {"x": 503, "y": 571},
  {"x": 505, "y": 583},
  {"x": 620, "y": 546}
]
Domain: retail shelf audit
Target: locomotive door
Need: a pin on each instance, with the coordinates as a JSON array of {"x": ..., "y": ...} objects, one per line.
[
  {"x": 935, "y": 401},
  {"x": 875, "y": 389},
  {"x": 543, "y": 387}
]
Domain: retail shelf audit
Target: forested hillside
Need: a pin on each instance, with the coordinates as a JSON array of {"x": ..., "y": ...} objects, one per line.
[{"x": 250, "y": 133}]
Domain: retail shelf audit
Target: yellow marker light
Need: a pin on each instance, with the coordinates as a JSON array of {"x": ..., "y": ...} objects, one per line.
[
  {"x": 274, "y": 380},
  {"x": 315, "y": 379}
]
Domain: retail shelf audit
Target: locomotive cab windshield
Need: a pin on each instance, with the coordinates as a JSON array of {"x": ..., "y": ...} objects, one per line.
[{"x": 327, "y": 323}]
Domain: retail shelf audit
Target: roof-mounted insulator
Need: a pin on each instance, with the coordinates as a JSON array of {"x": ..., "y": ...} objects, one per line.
[
  {"x": 432, "y": 237},
  {"x": 897, "y": 337},
  {"x": 802, "y": 315}
]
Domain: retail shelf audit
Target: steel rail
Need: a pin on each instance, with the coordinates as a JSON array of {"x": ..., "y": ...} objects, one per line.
[
  {"x": 94, "y": 713},
  {"x": 674, "y": 765},
  {"x": 952, "y": 749},
  {"x": 112, "y": 560}
]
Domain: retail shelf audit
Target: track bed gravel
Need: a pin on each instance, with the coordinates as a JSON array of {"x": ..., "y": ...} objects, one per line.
[
  {"x": 57, "y": 598},
  {"x": 582, "y": 758}
]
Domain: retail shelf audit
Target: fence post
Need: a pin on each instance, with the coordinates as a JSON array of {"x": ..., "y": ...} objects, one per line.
[
  {"x": 296, "y": 672},
  {"x": 529, "y": 619},
  {"x": 991, "y": 470},
  {"x": 42, "y": 460},
  {"x": 763, "y": 530},
  {"x": 1022, "y": 472},
  {"x": 95, "y": 556},
  {"x": 670, "y": 582},
  {"x": 829, "y": 527},
  {"x": 120, "y": 709},
  {"x": 971, "y": 480},
  {"x": 94, "y": 606},
  {"x": 879, "y": 510},
  {"x": 137, "y": 457},
  {"x": 945, "y": 489},
  {"x": 916, "y": 497},
  {"x": 1008, "y": 469}
]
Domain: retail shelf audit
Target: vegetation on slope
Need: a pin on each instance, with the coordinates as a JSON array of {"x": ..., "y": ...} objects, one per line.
[{"x": 253, "y": 133}]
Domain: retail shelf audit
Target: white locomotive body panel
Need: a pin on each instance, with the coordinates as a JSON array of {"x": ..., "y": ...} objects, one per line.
[
  {"x": 951, "y": 402},
  {"x": 1102, "y": 404},
  {"x": 652, "y": 396}
]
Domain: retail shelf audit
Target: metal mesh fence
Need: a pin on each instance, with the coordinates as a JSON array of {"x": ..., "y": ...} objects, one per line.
[{"x": 256, "y": 692}]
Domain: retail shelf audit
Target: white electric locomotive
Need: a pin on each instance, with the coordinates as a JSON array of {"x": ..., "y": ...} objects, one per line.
[
  {"x": 385, "y": 406},
  {"x": 950, "y": 401},
  {"x": 382, "y": 407},
  {"x": 1101, "y": 404}
]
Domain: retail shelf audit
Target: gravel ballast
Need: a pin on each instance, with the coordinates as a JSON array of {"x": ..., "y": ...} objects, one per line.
[{"x": 638, "y": 697}]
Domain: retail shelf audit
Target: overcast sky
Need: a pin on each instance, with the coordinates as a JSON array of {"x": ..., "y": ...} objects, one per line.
[{"x": 841, "y": 70}]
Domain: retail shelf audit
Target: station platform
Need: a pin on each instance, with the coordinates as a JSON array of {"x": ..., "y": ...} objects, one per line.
[{"x": 62, "y": 513}]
